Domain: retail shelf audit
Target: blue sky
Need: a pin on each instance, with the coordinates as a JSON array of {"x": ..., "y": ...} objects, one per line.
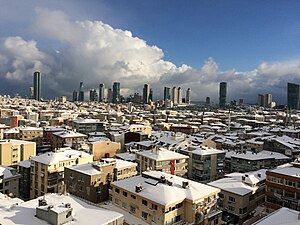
[{"x": 227, "y": 40}]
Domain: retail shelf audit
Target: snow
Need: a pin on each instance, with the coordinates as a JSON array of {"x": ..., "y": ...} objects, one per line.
[
  {"x": 162, "y": 154},
  {"x": 83, "y": 213}
]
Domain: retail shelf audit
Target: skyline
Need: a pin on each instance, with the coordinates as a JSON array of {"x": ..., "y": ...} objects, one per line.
[{"x": 151, "y": 42}]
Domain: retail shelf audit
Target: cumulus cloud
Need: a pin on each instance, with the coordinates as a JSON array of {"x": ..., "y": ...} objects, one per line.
[{"x": 95, "y": 52}]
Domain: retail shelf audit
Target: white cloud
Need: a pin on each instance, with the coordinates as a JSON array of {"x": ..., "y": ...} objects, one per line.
[{"x": 94, "y": 52}]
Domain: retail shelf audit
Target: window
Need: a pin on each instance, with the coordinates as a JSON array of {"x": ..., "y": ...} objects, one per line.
[
  {"x": 221, "y": 195},
  {"x": 154, "y": 206},
  {"x": 132, "y": 209},
  {"x": 133, "y": 196},
  {"x": 124, "y": 205},
  {"x": 116, "y": 201},
  {"x": 232, "y": 199},
  {"x": 144, "y": 215},
  {"x": 144, "y": 202},
  {"x": 117, "y": 190},
  {"x": 230, "y": 208},
  {"x": 98, "y": 189},
  {"x": 125, "y": 193}
]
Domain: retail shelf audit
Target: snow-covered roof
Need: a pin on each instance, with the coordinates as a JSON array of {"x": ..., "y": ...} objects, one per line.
[
  {"x": 161, "y": 154},
  {"x": 68, "y": 134},
  {"x": 288, "y": 170},
  {"x": 63, "y": 154},
  {"x": 165, "y": 194},
  {"x": 248, "y": 155},
  {"x": 283, "y": 216},
  {"x": 83, "y": 213}
]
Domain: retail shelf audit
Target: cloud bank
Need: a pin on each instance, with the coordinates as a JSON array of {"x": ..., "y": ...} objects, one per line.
[{"x": 95, "y": 52}]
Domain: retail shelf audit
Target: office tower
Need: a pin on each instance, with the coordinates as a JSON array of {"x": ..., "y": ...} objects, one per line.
[
  {"x": 207, "y": 101},
  {"x": 261, "y": 100},
  {"x": 37, "y": 89},
  {"x": 166, "y": 93},
  {"x": 151, "y": 95},
  {"x": 222, "y": 94},
  {"x": 81, "y": 93},
  {"x": 109, "y": 95},
  {"x": 293, "y": 95},
  {"x": 241, "y": 101},
  {"x": 174, "y": 95},
  {"x": 146, "y": 93},
  {"x": 137, "y": 98},
  {"x": 179, "y": 95},
  {"x": 116, "y": 93},
  {"x": 268, "y": 100},
  {"x": 188, "y": 96},
  {"x": 93, "y": 95},
  {"x": 101, "y": 92},
  {"x": 31, "y": 93},
  {"x": 75, "y": 96}
]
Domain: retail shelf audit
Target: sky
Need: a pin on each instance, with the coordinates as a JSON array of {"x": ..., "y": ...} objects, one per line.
[{"x": 252, "y": 45}]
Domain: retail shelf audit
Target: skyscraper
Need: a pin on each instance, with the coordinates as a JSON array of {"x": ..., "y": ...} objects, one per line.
[
  {"x": 151, "y": 95},
  {"x": 222, "y": 94},
  {"x": 93, "y": 95},
  {"x": 268, "y": 100},
  {"x": 146, "y": 93},
  {"x": 116, "y": 92},
  {"x": 174, "y": 95},
  {"x": 101, "y": 92},
  {"x": 188, "y": 96},
  {"x": 75, "y": 96},
  {"x": 293, "y": 95},
  {"x": 37, "y": 87},
  {"x": 109, "y": 95},
  {"x": 261, "y": 100},
  {"x": 166, "y": 93},
  {"x": 179, "y": 97},
  {"x": 81, "y": 92},
  {"x": 207, "y": 101}
]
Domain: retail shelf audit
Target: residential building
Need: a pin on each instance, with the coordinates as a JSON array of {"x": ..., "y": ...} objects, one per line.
[
  {"x": 56, "y": 210},
  {"x": 240, "y": 194},
  {"x": 25, "y": 179},
  {"x": 222, "y": 94},
  {"x": 161, "y": 198},
  {"x": 204, "y": 164},
  {"x": 66, "y": 138},
  {"x": 283, "y": 187},
  {"x": 91, "y": 181},
  {"x": 9, "y": 181},
  {"x": 13, "y": 151},
  {"x": 103, "y": 148},
  {"x": 47, "y": 170},
  {"x": 25, "y": 133},
  {"x": 86, "y": 126},
  {"x": 174, "y": 95},
  {"x": 246, "y": 161},
  {"x": 161, "y": 159}
]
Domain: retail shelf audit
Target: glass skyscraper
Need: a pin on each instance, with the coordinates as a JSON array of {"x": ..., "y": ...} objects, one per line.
[
  {"x": 293, "y": 94},
  {"x": 116, "y": 92},
  {"x": 37, "y": 87},
  {"x": 222, "y": 94}
]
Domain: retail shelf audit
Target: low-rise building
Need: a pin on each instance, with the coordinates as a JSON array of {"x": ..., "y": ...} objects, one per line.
[
  {"x": 246, "y": 161},
  {"x": 13, "y": 151},
  {"x": 240, "y": 194},
  {"x": 204, "y": 164},
  {"x": 9, "y": 181},
  {"x": 47, "y": 170},
  {"x": 165, "y": 199},
  {"x": 66, "y": 138},
  {"x": 283, "y": 187},
  {"x": 161, "y": 159}
]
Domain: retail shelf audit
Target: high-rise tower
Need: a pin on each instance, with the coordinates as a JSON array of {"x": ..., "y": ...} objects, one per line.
[
  {"x": 174, "y": 95},
  {"x": 116, "y": 93},
  {"x": 222, "y": 94},
  {"x": 293, "y": 95},
  {"x": 179, "y": 97},
  {"x": 101, "y": 92},
  {"x": 146, "y": 93},
  {"x": 166, "y": 93},
  {"x": 188, "y": 96},
  {"x": 37, "y": 87},
  {"x": 81, "y": 92}
]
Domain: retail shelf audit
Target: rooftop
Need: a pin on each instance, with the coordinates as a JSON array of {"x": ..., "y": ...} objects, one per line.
[{"x": 162, "y": 154}]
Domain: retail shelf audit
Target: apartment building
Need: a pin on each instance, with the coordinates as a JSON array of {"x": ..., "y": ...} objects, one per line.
[
  {"x": 9, "y": 181},
  {"x": 103, "y": 148},
  {"x": 246, "y": 161},
  {"x": 163, "y": 160},
  {"x": 91, "y": 181},
  {"x": 86, "y": 126},
  {"x": 13, "y": 151},
  {"x": 47, "y": 170},
  {"x": 165, "y": 199},
  {"x": 25, "y": 133},
  {"x": 283, "y": 187},
  {"x": 138, "y": 128},
  {"x": 25, "y": 179},
  {"x": 66, "y": 138},
  {"x": 204, "y": 164},
  {"x": 240, "y": 194}
]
